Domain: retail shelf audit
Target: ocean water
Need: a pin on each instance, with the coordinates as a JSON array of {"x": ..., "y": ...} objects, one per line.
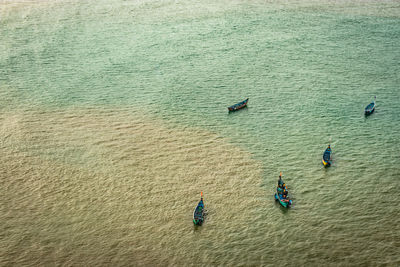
[{"x": 113, "y": 119}]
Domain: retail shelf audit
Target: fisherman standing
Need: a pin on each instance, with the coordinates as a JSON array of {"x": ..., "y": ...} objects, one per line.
[{"x": 280, "y": 182}]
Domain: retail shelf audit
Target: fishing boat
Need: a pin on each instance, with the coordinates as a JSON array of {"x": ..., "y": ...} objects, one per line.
[
  {"x": 285, "y": 202},
  {"x": 326, "y": 158},
  {"x": 198, "y": 214},
  {"x": 239, "y": 105},
  {"x": 370, "y": 108},
  {"x": 281, "y": 184},
  {"x": 281, "y": 194}
]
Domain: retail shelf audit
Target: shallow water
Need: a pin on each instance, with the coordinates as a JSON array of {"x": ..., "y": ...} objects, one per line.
[{"x": 114, "y": 119}]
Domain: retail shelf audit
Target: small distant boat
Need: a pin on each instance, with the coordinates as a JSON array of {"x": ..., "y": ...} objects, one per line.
[
  {"x": 326, "y": 158},
  {"x": 281, "y": 194},
  {"x": 239, "y": 105},
  {"x": 198, "y": 214},
  {"x": 370, "y": 108}
]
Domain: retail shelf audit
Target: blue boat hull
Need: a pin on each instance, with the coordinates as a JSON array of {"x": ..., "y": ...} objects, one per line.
[
  {"x": 284, "y": 202},
  {"x": 369, "y": 109},
  {"x": 198, "y": 214},
  {"x": 326, "y": 158},
  {"x": 369, "y": 112}
]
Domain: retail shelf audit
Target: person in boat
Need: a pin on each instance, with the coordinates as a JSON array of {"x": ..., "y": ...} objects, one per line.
[
  {"x": 280, "y": 181},
  {"x": 284, "y": 194}
]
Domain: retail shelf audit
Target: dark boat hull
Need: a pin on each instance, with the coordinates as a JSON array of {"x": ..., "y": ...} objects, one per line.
[
  {"x": 198, "y": 214},
  {"x": 326, "y": 163},
  {"x": 326, "y": 158},
  {"x": 369, "y": 109},
  {"x": 239, "y": 105}
]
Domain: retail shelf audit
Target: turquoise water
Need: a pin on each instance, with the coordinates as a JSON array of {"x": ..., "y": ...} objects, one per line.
[{"x": 309, "y": 69}]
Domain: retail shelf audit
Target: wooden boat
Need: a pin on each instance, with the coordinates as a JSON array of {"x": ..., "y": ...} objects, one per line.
[
  {"x": 326, "y": 158},
  {"x": 370, "y": 108},
  {"x": 198, "y": 214},
  {"x": 285, "y": 202},
  {"x": 281, "y": 194},
  {"x": 239, "y": 105}
]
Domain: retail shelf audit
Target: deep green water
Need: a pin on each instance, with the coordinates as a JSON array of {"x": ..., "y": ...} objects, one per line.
[{"x": 309, "y": 69}]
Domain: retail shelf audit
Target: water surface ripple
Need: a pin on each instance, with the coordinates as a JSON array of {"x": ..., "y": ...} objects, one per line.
[{"x": 113, "y": 118}]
